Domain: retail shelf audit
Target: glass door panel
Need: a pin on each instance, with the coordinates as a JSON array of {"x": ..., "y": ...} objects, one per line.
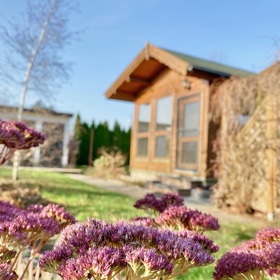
[{"x": 188, "y": 132}]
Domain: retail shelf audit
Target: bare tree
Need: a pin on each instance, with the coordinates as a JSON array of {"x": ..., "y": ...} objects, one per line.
[{"x": 34, "y": 51}]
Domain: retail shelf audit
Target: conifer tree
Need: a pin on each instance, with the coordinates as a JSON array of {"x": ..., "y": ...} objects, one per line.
[{"x": 77, "y": 128}]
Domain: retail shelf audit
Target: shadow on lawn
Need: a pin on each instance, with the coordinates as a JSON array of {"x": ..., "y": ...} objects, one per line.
[
  {"x": 95, "y": 203},
  {"x": 72, "y": 191},
  {"x": 241, "y": 233}
]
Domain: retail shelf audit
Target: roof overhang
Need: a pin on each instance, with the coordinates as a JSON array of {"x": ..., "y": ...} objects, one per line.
[{"x": 140, "y": 73}]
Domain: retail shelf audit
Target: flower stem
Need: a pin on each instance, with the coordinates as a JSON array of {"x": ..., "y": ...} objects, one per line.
[
  {"x": 15, "y": 259},
  {"x": 33, "y": 253}
]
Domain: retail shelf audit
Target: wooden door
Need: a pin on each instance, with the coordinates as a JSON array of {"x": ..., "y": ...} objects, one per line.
[{"x": 188, "y": 129}]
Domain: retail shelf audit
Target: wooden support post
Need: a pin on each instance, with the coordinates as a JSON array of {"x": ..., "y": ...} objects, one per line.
[
  {"x": 91, "y": 139},
  {"x": 271, "y": 155}
]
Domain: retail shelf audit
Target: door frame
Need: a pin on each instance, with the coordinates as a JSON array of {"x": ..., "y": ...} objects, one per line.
[{"x": 181, "y": 102}]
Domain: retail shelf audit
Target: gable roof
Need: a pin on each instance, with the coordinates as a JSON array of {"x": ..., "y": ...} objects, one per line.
[
  {"x": 210, "y": 66},
  {"x": 151, "y": 61}
]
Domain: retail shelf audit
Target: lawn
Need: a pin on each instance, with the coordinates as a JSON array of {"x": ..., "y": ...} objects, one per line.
[
  {"x": 81, "y": 199},
  {"x": 84, "y": 200}
]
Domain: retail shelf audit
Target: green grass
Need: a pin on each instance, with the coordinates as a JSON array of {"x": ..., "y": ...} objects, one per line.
[
  {"x": 81, "y": 199},
  {"x": 84, "y": 200}
]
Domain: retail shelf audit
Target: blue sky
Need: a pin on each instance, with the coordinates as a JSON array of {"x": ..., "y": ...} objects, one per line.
[{"x": 239, "y": 33}]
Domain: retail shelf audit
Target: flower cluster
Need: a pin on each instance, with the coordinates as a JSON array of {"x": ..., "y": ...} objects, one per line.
[
  {"x": 253, "y": 259},
  {"x": 181, "y": 218},
  {"x": 100, "y": 250},
  {"x": 53, "y": 211},
  {"x": 29, "y": 228},
  {"x": 173, "y": 214},
  {"x": 150, "y": 203},
  {"x": 5, "y": 272},
  {"x": 20, "y": 227},
  {"x": 15, "y": 135}
]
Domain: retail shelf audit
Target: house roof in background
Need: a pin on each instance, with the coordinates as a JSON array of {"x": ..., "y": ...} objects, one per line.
[
  {"x": 152, "y": 60},
  {"x": 42, "y": 111}
]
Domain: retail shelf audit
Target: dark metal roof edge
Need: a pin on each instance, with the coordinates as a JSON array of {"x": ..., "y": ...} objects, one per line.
[
  {"x": 221, "y": 73},
  {"x": 214, "y": 67}
]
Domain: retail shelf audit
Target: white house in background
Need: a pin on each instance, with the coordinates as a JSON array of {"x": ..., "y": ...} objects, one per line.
[{"x": 57, "y": 128}]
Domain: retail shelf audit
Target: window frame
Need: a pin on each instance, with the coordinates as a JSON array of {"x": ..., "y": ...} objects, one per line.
[
  {"x": 162, "y": 132},
  {"x": 142, "y": 134},
  {"x": 152, "y": 132}
]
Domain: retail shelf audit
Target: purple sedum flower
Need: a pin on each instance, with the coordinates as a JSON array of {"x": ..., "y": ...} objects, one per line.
[
  {"x": 151, "y": 203},
  {"x": 51, "y": 260},
  {"x": 147, "y": 262},
  {"x": 36, "y": 227},
  {"x": 73, "y": 269},
  {"x": 54, "y": 211},
  {"x": 15, "y": 135},
  {"x": 101, "y": 263},
  {"x": 22, "y": 227},
  {"x": 181, "y": 218},
  {"x": 6, "y": 274},
  {"x": 145, "y": 221},
  {"x": 252, "y": 258},
  {"x": 273, "y": 272},
  {"x": 8, "y": 212},
  {"x": 149, "y": 251},
  {"x": 171, "y": 199},
  {"x": 82, "y": 236},
  {"x": 272, "y": 255},
  {"x": 235, "y": 264},
  {"x": 269, "y": 234},
  {"x": 172, "y": 213},
  {"x": 9, "y": 234},
  {"x": 206, "y": 243}
]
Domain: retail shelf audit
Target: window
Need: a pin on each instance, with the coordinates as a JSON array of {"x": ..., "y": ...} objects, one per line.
[
  {"x": 162, "y": 146},
  {"x": 163, "y": 127},
  {"x": 191, "y": 119},
  {"x": 157, "y": 130},
  {"x": 144, "y": 115},
  {"x": 163, "y": 116},
  {"x": 142, "y": 150},
  {"x": 190, "y": 153},
  {"x": 144, "y": 118}
]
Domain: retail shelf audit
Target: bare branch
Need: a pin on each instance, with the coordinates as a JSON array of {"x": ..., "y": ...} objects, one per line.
[
  {"x": 38, "y": 38},
  {"x": 34, "y": 50}
]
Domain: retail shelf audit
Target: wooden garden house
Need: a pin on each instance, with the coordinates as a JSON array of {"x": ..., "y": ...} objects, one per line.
[{"x": 171, "y": 131}]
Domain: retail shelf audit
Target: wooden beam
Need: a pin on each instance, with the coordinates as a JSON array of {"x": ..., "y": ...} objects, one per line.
[
  {"x": 137, "y": 80},
  {"x": 147, "y": 51},
  {"x": 169, "y": 60},
  {"x": 124, "y": 92},
  {"x": 122, "y": 95},
  {"x": 126, "y": 73}
]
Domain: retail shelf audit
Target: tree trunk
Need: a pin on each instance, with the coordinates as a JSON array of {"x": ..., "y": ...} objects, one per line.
[{"x": 16, "y": 159}]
